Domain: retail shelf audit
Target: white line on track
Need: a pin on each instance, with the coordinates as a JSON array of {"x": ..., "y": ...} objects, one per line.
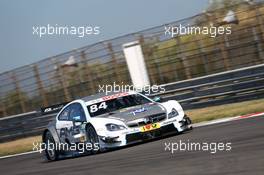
[{"x": 20, "y": 154}]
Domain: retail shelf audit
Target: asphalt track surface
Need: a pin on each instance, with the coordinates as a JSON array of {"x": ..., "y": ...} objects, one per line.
[{"x": 246, "y": 156}]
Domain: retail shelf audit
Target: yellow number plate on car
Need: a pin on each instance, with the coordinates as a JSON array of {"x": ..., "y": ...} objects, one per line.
[{"x": 150, "y": 127}]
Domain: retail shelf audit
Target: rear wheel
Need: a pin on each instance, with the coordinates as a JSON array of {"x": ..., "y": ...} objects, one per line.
[
  {"x": 92, "y": 138},
  {"x": 50, "y": 148}
]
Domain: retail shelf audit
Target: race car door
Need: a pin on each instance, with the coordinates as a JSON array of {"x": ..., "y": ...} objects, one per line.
[{"x": 65, "y": 124}]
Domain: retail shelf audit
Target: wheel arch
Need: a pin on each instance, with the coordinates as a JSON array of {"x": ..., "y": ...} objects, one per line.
[
  {"x": 89, "y": 124},
  {"x": 173, "y": 104},
  {"x": 53, "y": 132}
]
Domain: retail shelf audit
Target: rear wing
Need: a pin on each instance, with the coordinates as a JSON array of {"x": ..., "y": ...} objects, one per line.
[{"x": 53, "y": 108}]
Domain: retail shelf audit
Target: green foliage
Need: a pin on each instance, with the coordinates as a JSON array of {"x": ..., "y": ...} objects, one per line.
[{"x": 225, "y": 4}]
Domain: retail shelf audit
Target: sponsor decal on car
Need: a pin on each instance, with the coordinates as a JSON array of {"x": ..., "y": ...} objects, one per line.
[
  {"x": 139, "y": 111},
  {"x": 110, "y": 97},
  {"x": 150, "y": 127}
]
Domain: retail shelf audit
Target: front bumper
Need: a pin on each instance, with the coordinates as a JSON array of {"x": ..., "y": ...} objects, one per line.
[
  {"x": 184, "y": 125},
  {"x": 130, "y": 136},
  {"x": 142, "y": 136}
]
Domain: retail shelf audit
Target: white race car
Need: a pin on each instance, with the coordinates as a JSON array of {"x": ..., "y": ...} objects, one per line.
[{"x": 100, "y": 122}]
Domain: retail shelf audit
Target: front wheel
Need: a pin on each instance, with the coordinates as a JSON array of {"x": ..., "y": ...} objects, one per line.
[
  {"x": 93, "y": 139},
  {"x": 188, "y": 122}
]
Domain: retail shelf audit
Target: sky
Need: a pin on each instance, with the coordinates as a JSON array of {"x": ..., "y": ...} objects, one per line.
[{"x": 19, "y": 47}]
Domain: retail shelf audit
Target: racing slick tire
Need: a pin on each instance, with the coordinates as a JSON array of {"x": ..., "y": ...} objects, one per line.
[
  {"x": 92, "y": 138},
  {"x": 188, "y": 122},
  {"x": 50, "y": 152}
]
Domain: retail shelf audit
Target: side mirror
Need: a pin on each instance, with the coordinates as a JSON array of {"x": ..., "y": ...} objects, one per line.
[{"x": 157, "y": 99}]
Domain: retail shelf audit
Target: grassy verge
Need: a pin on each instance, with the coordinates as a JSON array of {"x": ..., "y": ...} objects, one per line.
[
  {"x": 197, "y": 115},
  {"x": 229, "y": 110},
  {"x": 18, "y": 146}
]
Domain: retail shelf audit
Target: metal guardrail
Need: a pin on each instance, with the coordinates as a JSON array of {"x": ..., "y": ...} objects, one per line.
[
  {"x": 222, "y": 88},
  {"x": 23, "y": 126}
]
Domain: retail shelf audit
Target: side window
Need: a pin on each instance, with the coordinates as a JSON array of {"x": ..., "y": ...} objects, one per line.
[
  {"x": 64, "y": 115},
  {"x": 77, "y": 112}
]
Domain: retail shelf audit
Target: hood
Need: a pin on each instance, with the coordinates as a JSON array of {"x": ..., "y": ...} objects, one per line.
[{"x": 136, "y": 113}]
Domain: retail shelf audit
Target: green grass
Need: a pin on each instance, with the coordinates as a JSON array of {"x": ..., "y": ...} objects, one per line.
[
  {"x": 18, "y": 146},
  {"x": 197, "y": 115},
  {"x": 229, "y": 110}
]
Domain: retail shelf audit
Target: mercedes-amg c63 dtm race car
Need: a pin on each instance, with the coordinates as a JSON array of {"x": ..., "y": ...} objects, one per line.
[{"x": 110, "y": 121}]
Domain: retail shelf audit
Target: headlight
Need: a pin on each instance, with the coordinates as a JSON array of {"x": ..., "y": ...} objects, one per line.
[
  {"x": 114, "y": 127},
  {"x": 173, "y": 113}
]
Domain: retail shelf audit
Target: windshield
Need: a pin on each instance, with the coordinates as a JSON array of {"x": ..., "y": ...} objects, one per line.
[{"x": 116, "y": 104}]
